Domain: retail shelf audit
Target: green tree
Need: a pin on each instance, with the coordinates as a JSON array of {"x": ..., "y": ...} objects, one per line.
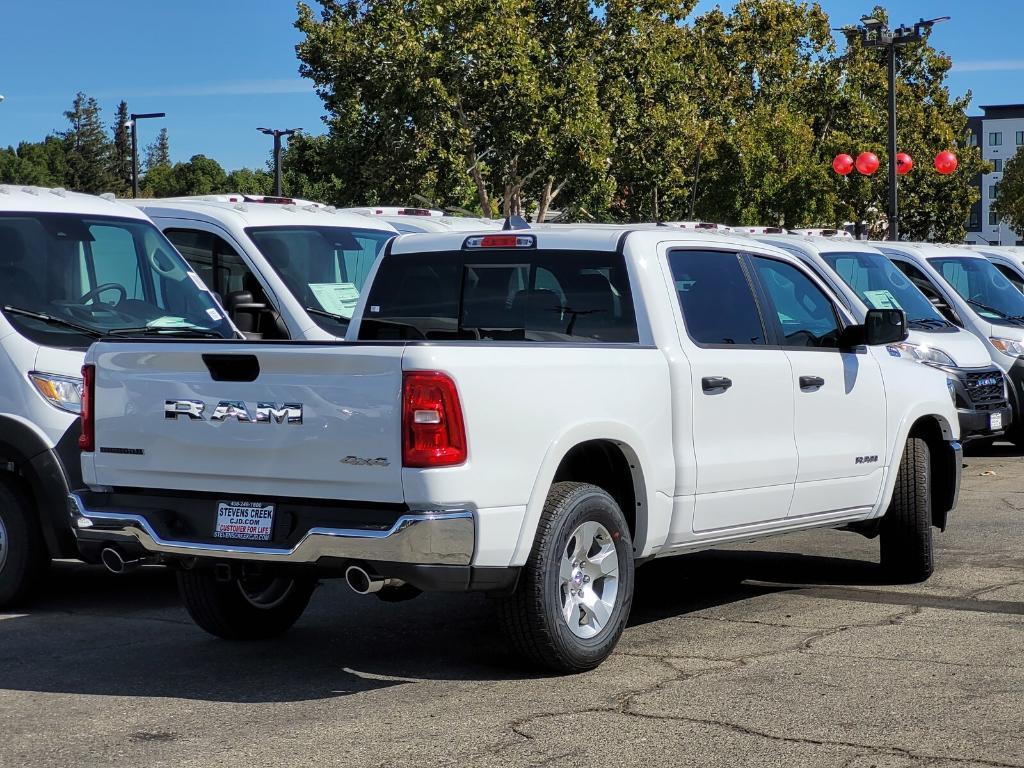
[
  {"x": 121, "y": 152},
  {"x": 199, "y": 176},
  {"x": 1009, "y": 205},
  {"x": 88, "y": 149},
  {"x": 158, "y": 152},
  {"x": 250, "y": 182},
  {"x": 35, "y": 163},
  {"x": 492, "y": 101}
]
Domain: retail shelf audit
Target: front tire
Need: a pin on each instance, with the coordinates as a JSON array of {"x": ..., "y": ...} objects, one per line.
[
  {"x": 906, "y": 532},
  {"x": 23, "y": 556},
  {"x": 573, "y": 598},
  {"x": 251, "y": 608}
]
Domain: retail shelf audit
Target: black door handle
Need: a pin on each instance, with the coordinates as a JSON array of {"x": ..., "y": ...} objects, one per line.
[
  {"x": 811, "y": 382},
  {"x": 715, "y": 383}
]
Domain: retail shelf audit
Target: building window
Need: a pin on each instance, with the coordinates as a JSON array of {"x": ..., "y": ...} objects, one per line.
[
  {"x": 997, "y": 166},
  {"x": 1020, "y": 138},
  {"x": 993, "y": 191},
  {"x": 973, "y": 139},
  {"x": 995, "y": 139},
  {"x": 975, "y": 220},
  {"x": 993, "y": 219}
]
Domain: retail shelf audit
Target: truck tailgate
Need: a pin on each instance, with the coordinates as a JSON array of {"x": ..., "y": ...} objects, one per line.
[{"x": 313, "y": 421}]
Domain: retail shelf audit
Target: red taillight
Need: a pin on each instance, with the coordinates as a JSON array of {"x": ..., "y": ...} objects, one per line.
[
  {"x": 433, "y": 432},
  {"x": 87, "y": 440}
]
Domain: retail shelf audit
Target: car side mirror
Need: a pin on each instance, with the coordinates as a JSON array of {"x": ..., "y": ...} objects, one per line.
[{"x": 881, "y": 326}]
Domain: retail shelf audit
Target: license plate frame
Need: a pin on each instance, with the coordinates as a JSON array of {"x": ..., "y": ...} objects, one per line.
[
  {"x": 995, "y": 421},
  {"x": 244, "y": 520}
]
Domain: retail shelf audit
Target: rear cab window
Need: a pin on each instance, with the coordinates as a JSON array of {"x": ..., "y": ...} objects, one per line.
[{"x": 498, "y": 294}]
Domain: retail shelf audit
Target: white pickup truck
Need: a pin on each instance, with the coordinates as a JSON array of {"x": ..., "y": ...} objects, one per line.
[{"x": 525, "y": 413}]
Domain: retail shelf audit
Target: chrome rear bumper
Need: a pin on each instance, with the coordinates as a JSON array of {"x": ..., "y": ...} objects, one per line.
[{"x": 444, "y": 537}]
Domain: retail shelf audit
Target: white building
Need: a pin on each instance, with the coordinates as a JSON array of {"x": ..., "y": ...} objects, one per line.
[{"x": 999, "y": 133}]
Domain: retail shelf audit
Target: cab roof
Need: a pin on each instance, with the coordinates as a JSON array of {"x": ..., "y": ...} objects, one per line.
[
  {"x": 819, "y": 244},
  {"x": 596, "y": 237},
  {"x": 57, "y": 200},
  {"x": 257, "y": 214}
]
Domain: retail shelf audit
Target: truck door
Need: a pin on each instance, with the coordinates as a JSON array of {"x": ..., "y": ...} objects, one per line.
[
  {"x": 741, "y": 391},
  {"x": 840, "y": 401}
]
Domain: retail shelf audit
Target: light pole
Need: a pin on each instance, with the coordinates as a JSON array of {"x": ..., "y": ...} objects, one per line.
[
  {"x": 133, "y": 123},
  {"x": 277, "y": 133},
  {"x": 874, "y": 33}
]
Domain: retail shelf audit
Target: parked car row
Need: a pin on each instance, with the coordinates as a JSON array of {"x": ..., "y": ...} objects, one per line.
[{"x": 529, "y": 413}]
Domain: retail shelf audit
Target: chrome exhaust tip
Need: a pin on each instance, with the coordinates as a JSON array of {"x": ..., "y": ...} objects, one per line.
[
  {"x": 115, "y": 562},
  {"x": 362, "y": 582}
]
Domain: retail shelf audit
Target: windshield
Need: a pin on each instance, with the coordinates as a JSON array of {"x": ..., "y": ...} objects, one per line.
[
  {"x": 323, "y": 267},
  {"x": 984, "y": 287},
  {"x": 69, "y": 278},
  {"x": 880, "y": 285}
]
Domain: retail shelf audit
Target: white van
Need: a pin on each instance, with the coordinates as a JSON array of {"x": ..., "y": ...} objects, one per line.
[
  {"x": 73, "y": 268},
  {"x": 1008, "y": 260},
  {"x": 864, "y": 278},
  {"x": 412, "y": 224},
  {"x": 281, "y": 271},
  {"x": 972, "y": 293}
]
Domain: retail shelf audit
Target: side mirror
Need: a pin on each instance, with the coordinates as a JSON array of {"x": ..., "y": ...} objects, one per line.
[{"x": 881, "y": 326}]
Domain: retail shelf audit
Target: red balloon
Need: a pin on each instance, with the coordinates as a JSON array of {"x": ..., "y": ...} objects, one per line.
[
  {"x": 867, "y": 163},
  {"x": 842, "y": 164},
  {"x": 946, "y": 162},
  {"x": 904, "y": 163}
]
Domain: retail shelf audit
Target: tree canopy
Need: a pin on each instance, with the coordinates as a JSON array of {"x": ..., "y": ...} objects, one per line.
[{"x": 626, "y": 111}]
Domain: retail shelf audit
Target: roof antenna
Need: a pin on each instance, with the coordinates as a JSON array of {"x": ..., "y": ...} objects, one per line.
[{"x": 515, "y": 222}]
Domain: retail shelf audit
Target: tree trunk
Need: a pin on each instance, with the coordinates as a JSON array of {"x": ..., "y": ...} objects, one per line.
[
  {"x": 545, "y": 201},
  {"x": 478, "y": 180}
]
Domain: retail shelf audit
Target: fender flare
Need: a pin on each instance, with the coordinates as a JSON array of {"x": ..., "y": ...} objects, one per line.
[
  {"x": 916, "y": 413},
  {"x": 51, "y": 473},
  {"x": 652, "y": 516}
]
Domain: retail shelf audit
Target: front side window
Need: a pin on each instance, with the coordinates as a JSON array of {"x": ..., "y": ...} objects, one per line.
[
  {"x": 525, "y": 294},
  {"x": 1012, "y": 275},
  {"x": 880, "y": 285},
  {"x": 94, "y": 275},
  {"x": 220, "y": 266},
  {"x": 323, "y": 267},
  {"x": 805, "y": 314},
  {"x": 716, "y": 298},
  {"x": 982, "y": 286}
]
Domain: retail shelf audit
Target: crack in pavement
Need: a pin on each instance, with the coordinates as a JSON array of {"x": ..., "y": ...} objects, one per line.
[{"x": 624, "y": 702}]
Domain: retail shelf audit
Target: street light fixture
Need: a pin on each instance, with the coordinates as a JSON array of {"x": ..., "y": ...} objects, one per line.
[
  {"x": 277, "y": 133},
  {"x": 874, "y": 33},
  {"x": 133, "y": 124}
]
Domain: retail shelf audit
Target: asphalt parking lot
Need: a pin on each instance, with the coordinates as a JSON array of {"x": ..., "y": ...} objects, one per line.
[{"x": 788, "y": 653}]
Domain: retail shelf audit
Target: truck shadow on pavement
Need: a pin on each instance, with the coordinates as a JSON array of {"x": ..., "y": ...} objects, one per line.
[{"x": 98, "y": 634}]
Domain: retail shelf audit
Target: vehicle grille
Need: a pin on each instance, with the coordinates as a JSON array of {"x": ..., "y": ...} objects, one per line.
[{"x": 985, "y": 397}]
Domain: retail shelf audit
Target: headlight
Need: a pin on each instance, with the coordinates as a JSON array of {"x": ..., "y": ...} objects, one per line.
[
  {"x": 1008, "y": 346},
  {"x": 65, "y": 392},
  {"x": 925, "y": 354}
]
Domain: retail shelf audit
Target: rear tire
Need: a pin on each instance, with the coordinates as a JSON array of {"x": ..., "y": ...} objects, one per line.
[
  {"x": 906, "y": 531},
  {"x": 23, "y": 556},
  {"x": 254, "y": 608},
  {"x": 575, "y": 591}
]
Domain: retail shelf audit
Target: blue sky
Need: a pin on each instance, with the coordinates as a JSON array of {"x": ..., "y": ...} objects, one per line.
[{"x": 221, "y": 69}]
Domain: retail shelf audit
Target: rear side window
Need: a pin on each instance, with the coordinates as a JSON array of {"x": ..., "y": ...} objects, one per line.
[
  {"x": 717, "y": 301},
  {"x": 508, "y": 295}
]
